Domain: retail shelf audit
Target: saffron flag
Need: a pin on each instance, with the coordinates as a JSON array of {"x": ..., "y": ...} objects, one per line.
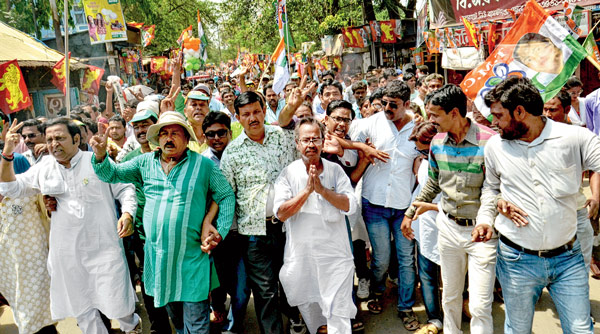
[
  {"x": 375, "y": 31},
  {"x": 283, "y": 23},
  {"x": 590, "y": 46},
  {"x": 148, "y": 35},
  {"x": 203, "y": 41},
  {"x": 356, "y": 34},
  {"x": 537, "y": 47},
  {"x": 387, "y": 31},
  {"x": 158, "y": 64},
  {"x": 91, "y": 79},
  {"x": 13, "y": 91},
  {"x": 493, "y": 36},
  {"x": 282, "y": 73},
  {"x": 58, "y": 75},
  {"x": 186, "y": 33},
  {"x": 136, "y": 25},
  {"x": 472, "y": 35}
]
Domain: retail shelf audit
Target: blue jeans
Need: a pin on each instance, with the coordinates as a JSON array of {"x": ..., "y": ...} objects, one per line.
[
  {"x": 523, "y": 276},
  {"x": 194, "y": 315},
  {"x": 381, "y": 224},
  {"x": 429, "y": 273}
]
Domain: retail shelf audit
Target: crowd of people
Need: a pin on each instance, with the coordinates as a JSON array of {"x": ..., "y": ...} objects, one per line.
[{"x": 223, "y": 189}]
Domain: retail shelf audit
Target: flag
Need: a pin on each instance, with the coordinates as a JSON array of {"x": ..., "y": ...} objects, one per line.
[
  {"x": 431, "y": 41},
  {"x": 337, "y": 62},
  {"x": 13, "y": 91},
  {"x": 387, "y": 31},
  {"x": 158, "y": 64},
  {"x": 148, "y": 35},
  {"x": 203, "y": 41},
  {"x": 348, "y": 37},
  {"x": 418, "y": 56},
  {"x": 537, "y": 47},
  {"x": 356, "y": 34},
  {"x": 137, "y": 25},
  {"x": 282, "y": 73},
  {"x": 186, "y": 33},
  {"x": 493, "y": 36},
  {"x": 283, "y": 23},
  {"x": 472, "y": 35},
  {"x": 58, "y": 75},
  {"x": 573, "y": 18},
  {"x": 375, "y": 31},
  {"x": 450, "y": 38},
  {"x": 91, "y": 79},
  {"x": 590, "y": 46}
]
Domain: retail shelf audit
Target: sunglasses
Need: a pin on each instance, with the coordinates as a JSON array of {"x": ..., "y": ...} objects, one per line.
[
  {"x": 212, "y": 134},
  {"x": 393, "y": 105},
  {"x": 30, "y": 136}
]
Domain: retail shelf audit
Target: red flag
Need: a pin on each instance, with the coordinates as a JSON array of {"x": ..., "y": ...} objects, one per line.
[
  {"x": 359, "y": 42},
  {"x": 58, "y": 75},
  {"x": 471, "y": 33},
  {"x": 493, "y": 36},
  {"x": 91, "y": 79},
  {"x": 158, "y": 64},
  {"x": 375, "y": 31},
  {"x": 387, "y": 31},
  {"x": 348, "y": 38},
  {"x": 13, "y": 91}
]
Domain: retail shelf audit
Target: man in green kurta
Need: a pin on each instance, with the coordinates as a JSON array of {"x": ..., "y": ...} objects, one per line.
[{"x": 176, "y": 182}]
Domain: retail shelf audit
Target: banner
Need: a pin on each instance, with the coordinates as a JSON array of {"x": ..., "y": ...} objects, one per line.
[
  {"x": 91, "y": 79},
  {"x": 105, "y": 21},
  {"x": 591, "y": 48},
  {"x": 387, "y": 31},
  {"x": 449, "y": 12},
  {"x": 158, "y": 64},
  {"x": 148, "y": 35},
  {"x": 537, "y": 47},
  {"x": 58, "y": 75},
  {"x": 13, "y": 91}
]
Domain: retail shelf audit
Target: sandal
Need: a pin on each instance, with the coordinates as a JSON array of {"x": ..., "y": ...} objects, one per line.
[
  {"x": 428, "y": 329},
  {"x": 374, "y": 306},
  {"x": 409, "y": 320},
  {"x": 357, "y": 326},
  {"x": 217, "y": 317},
  {"x": 322, "y": 330}
]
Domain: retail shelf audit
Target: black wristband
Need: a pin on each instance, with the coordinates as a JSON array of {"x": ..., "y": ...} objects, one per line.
[{"x": 6, "y": 158}]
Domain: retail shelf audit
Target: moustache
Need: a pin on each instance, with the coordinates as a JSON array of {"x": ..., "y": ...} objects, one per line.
[
  {"x": 254, "y": 123},
  {"x": 169, "y": 145}
]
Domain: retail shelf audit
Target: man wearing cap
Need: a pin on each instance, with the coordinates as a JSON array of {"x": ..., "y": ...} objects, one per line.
[
  {"x": 196, "y": 108},
  {"x": 214, "y": 104},
  {"x": 176, "y": 182},
  {"x": 295, "y": 78},
  {"x": 132, "y": 142}
]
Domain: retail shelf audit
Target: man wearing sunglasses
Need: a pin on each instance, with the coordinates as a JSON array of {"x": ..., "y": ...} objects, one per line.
[
  {"x": 387, "y": 191},
  {"x": 33, "y": 137}
]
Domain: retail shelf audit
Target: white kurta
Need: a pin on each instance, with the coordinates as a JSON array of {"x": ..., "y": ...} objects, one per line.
[
  {"x": 318, "y": 263},
  {"x": 426, "y": 231},
  {"x": 86, "y": 261}
]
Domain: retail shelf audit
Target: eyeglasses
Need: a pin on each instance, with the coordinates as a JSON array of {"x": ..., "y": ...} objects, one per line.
[
  {"x": 393, "y": 105},
  {"x": 315, "y": 141},
  {"x": 341, "y": 119},
  {"x": 30, "y": 136},
  {"x": 576, "y": 93},
  {"x": 377, "y": 106},
  {"x": 212, "y": 134}
]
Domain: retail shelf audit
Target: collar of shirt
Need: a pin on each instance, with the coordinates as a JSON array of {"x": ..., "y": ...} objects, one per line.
[
  {"x": 244, "y": 137},
  {"x": 470, "y": 137}
]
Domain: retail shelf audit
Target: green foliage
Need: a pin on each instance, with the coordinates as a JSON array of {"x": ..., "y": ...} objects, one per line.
[{"x": 20, "y": 14}]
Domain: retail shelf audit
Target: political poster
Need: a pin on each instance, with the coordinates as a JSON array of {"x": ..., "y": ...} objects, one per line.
[{"x": 105, "y": 21}]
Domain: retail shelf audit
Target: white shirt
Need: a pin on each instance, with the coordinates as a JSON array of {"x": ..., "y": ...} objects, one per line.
[
  {"x": 318, "y": 262},
  {"x": 581, "y": 117},
  {"x": 86, "y": 260},
  {"x": 543, "y": 179},
  {"x": 426, "y": 231},
  {"x": 389, "y": 184}
]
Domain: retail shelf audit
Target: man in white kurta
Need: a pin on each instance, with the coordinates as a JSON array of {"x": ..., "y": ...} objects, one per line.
[
  {"x": 312, "y": 195},
  {"x": 86, "y": 261}
]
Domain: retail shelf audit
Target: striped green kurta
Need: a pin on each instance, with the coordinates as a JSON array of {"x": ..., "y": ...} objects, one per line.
[{"x": 175, "y": 268}]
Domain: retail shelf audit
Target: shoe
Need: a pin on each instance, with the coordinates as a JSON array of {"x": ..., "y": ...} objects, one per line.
[
  {"x": 363, "y": 288},
  {"x": 297, "y": 327},
  {"x": 137, "y": 329}
]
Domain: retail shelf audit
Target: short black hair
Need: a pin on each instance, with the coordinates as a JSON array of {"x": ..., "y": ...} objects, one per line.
[
  {"x": 409, "y": 68},
  {"x": 448, "y": 97},
  {"x": 377, "y": 94},
  {"x": 329, "y": 83},
  {"x": 328, "y": 72},
  {"x": 102, "y": 107},
  {"x": 312, "y": 121},
  {"x": 408, "y": 76},
  {"x": 32, "y": 122},
  {"x": 397, "y": 90},
  {"x": 68, "y": 123},
  {"x": 423, "y": 69},
  {"x": 420, "y": 82},
  {"x": 118, "y": 118},
  {"x": 359, "y": 85},
  {"x": 573, "y": 82},
  {"x": 91, "y": 125},
  {"x": 268, "y": 86},
  {"x": 340, "y": 104},
  {"x": 216, "y": 117},
  {"x": 246, "y": 98},
  {"x": 514, "y": 92},
  {"x": 389, "y": 72},
  {"x": 564, "y": 98}
]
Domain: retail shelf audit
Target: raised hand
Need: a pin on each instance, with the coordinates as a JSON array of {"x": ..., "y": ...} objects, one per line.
[
  {"x": 12, "y": 138},
  {"x": 332, "y": 146},
  {"x": 168, "y": 103},
  {"x": 109, "y": 87},
  {"x": 99, "y": 144}
]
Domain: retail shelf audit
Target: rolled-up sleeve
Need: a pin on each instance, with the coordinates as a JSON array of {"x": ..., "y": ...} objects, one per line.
[
  {"x": 490, "y": 191},
  {"x": 125, "y": 194},
  {"x": 225, "y": 198}
]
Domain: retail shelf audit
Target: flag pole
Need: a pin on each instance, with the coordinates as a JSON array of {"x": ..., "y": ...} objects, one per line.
[
  {"x": 67, "y": 59},
  {"x": 264, "y": 72}
]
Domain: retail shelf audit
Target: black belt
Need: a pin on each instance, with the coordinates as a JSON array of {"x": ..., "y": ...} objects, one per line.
[
  {"x": 462, "y": 221},
  {"x": 541, "y": 253}
]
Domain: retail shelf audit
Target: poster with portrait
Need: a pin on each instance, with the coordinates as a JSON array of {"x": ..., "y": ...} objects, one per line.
[{"x": 105, "y": 21}]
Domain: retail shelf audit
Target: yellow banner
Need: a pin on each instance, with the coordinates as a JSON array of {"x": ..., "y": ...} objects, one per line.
[{"x": 105, "y": 21}]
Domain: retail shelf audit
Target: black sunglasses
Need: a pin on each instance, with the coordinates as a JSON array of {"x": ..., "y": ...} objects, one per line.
[
  {"x": 212, "y": 134},
  {"x": 393, "y": 105}
]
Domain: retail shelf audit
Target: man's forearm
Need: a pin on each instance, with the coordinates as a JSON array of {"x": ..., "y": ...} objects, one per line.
[
  {"x": 109, "y": 103},
  {"x": 339, "y": 201},
  {"x": 595, "y": 185},
  {"x": 285, "y": 116},
  {"x": 7, "y": 173},
  {"x": 427, "y": 194},
  {"x": 292, "y": 206}
]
